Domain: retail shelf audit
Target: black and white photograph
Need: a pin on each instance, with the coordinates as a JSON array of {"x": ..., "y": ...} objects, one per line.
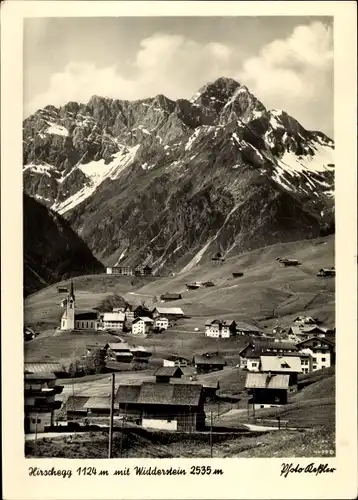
[
  {"x": 178, "y": 181},
  {"x": 179, "y": 251}
]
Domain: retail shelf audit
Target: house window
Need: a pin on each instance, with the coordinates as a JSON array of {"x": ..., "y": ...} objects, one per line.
[
  {"x": 314, "y": 367},
  {"x": 33, "y": 420},
  {"x": 254, "y": 365},
  {"x": 323, "y": 359},
  {"x": 314, "y": 360}
]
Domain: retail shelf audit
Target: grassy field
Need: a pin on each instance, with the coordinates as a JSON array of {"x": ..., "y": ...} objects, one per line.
[
  {"x": 265, "y": 294},
  {"x": 307, "y": 443}
]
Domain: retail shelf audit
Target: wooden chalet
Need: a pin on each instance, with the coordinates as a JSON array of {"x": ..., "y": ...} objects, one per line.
[
  {"x": 327, "y": 273},
  {"x": 267, "y": 389},
  {"x": 289, "y": 262},
  {"x": 169, "y": 297},
  {"x": 164, "y": 373},
  {"x": 208, "y": 362},
  {"x": 165, "y": 406}
]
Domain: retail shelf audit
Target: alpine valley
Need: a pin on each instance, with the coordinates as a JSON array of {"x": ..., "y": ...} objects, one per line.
[{"x": 170, "y": 183}]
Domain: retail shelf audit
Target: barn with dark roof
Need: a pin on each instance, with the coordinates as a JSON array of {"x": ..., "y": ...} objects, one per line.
[{"x": 166, "y": 406}]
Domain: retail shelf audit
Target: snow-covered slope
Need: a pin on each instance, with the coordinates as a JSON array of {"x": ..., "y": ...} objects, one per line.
[{"x": 157, "y": 178}]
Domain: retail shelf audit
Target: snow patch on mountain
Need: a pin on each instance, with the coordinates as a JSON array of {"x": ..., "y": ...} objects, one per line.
[
  {"x": 57, "y": 129},
  {"x": 97, "y": 172},
  {"x": 42, "y": 168},
  {"x": 192, "y": 139}
]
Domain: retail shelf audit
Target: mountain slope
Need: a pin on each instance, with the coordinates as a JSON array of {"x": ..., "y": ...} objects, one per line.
[
  {"x": 170, "y": 182},
  {"x": 52, "y": 250}
]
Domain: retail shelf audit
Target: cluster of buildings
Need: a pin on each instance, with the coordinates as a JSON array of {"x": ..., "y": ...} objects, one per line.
[
  {"x": 130, "y": 271},
  {"x": 220, "y": 328},
  {"x": 119, "y": 352},
  {"x": 273, "y": 367},
  {"x": 314, "y": 353},
  {"x": 140, "y": 320},
  {"x": 166, "y": 402}
]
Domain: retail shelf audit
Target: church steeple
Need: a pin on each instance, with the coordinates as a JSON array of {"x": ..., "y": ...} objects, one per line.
[{"x": 72, "y": 293}]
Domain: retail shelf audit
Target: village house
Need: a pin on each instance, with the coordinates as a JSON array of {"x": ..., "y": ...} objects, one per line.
[
  {"x": 171, "y": 313},
  {"x": 113, "y": 321},
  {"x": 218, "y": 328},
  {"x": 208, "y": 362},
  {"x": 140, "y": 353},
  {"x": 164, "y": 373},
  {"x": 174, "y": 360},
  {"x": 82, "y": 407},
  {"x": 281, "y": 363},
  {"x": 165, "y": 406},
  {"x": 142, "y": 311},
  {"x": 327, "y": 273},
  {"x": 120, "y": 270},
  {"x": 193, "y": 286},
  {"x": 141, "y": 325},
  {"x": 246, "y": 329},
  {"x": 288, "y": 262},
  {"x": 161, "y": 323},
  {"x": 72, "y": 320},
  {"x": 119, "y": 351},
  {"x": 40, "y": 391},
  {"x": 74, "y": 407},
  {"x": 169, "y": 297},
  {"x": 267, "y": 389},
  {"x": 143, "y": 271},
  {"x": 306, "y": 320},
  {"x": 305, "y": 332},
  {"x": 321, "y": 350},
  {"x": 251, "y": 353}
]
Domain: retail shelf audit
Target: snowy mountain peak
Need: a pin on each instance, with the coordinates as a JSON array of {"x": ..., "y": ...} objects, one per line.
[{"x": 152, "y": 172}]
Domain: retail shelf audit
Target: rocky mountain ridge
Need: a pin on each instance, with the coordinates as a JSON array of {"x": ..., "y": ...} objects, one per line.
[
  {"x": 52, "y": 250},
  {"x": 167, "y": 182}
]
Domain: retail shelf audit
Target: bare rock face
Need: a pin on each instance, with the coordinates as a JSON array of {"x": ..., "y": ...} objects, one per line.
[{"x": 161, "y": 180}]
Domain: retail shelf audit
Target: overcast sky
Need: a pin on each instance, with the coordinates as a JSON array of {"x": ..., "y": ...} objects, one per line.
[{"x": 287, "y": 62}]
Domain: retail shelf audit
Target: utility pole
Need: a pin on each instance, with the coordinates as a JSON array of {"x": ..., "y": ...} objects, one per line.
[
  {"x": 111, "y": 419},
  {"x": 253, "y": 402},
  {"x": 122, "y": 430},
  {"x": 211, "y": 434}
]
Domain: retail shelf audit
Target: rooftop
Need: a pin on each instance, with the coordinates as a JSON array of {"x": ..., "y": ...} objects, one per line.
[
  {"x": 114, "y": 316},
  {"x": 204, "y": 359},
  {"x": 75, "y": 403},
  {"x": 160, "y": 394},
  {"x": 169, "y": 310},
  {"x": 43, "y": 368},
  {"x": 40, "y": 376},
  {"x": 143, "y": 318},
  {"x": 168, "y": 371},
  {"x": 97, "y": 402},
  {"x": 265, "y": 381},
  {"x": 289, "y": 364}
]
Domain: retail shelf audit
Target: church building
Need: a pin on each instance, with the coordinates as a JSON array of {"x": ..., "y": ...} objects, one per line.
[{"x": 72, "y": 320}]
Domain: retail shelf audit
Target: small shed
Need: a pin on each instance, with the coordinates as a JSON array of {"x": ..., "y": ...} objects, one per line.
[
  {"x": 165, "y": 373},
  {"x": 168, "y": 297}
]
